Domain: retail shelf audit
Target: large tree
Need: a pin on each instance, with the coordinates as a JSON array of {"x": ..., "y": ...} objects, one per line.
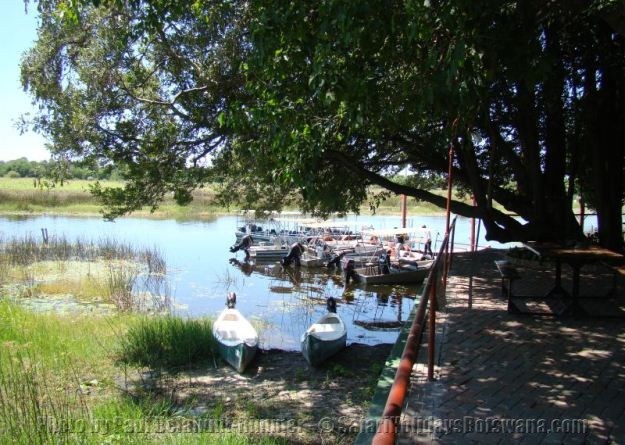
[{"x": 326, "y": 98}]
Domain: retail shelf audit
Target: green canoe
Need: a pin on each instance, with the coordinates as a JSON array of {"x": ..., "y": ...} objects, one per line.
[
  {"x": 237, "y": 339},
  {"x": 324, "y": 338}
]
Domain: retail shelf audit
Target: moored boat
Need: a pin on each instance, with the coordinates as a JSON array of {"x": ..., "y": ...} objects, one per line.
[
  {"x": 268, "y": 252},
  {"x": 237, "y": 340},
  {"x": 324, "y": 338},
  {"x": 402, "y": 273}
]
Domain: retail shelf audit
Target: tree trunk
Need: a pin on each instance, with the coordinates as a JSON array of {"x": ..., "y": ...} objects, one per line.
[{"x": 607, "y": 155}]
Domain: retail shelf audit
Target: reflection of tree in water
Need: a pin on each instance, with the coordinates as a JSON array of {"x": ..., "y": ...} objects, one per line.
[
  {"x": 299, "y": 296},
  {"x": 380, "y": 310}
]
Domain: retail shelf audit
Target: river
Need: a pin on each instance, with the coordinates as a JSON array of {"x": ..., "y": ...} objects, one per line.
[{"x": 282, "y": 302}]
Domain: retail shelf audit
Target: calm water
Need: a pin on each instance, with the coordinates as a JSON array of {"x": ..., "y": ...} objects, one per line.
[{"x": 282, "y": 301}]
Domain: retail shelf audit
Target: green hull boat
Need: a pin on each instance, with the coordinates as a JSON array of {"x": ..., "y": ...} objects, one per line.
[
  {"x": 323, "y": 339},
  {"x": 237, "y": 339}
]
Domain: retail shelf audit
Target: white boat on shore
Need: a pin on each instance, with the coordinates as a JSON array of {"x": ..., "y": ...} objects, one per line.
[
  {"x": 237, "y": 340},
  {"x": 325, "y": 337}
]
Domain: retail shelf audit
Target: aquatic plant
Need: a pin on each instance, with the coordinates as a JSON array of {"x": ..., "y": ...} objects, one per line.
[
  {"x": 28, "y": 259},
  {"x": 120, "y": 280}
]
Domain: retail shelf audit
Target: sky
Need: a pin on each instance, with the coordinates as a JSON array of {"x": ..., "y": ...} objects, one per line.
[{"x": 18, "y": 31}]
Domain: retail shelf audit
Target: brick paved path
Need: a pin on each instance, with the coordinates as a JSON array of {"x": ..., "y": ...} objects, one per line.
[{"x": 506, "y": 379}]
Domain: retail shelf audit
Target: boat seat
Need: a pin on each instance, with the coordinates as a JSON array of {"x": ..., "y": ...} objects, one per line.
[
  {"x": 326, "y": 327},
  {"x": 329, "y": 335},
  {"x": 370, "y": 269},
  {"x": 228, "y": 335}
]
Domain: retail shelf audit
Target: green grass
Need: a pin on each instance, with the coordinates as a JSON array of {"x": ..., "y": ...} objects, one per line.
[
  {"x": 168, "y": 343},
  {"x": 58, "y": 382},
  {"x": 22, "y": 195},
  {"x": 19, "y": 196},
  {"x": 89, "y": 342}
]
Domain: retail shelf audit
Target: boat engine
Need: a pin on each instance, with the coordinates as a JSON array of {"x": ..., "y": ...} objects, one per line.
[
  {"x": 231, "y": 301},
  {"x": 331, "y": 304},
  {"x": 349, "y": 271}
]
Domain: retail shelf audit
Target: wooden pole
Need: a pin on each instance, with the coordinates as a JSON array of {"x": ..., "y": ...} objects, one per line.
[{"x": 403, "y": 211}]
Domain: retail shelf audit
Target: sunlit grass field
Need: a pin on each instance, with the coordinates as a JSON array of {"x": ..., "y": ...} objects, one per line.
[{"x": 25, "y": 195}]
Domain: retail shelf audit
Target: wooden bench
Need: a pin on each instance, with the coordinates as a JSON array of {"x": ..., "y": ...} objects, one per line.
[{"x": 508, "y": 274}]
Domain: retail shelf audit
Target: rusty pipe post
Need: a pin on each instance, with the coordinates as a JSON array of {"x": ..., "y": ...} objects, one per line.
[
  {"x": 432, "y": 327},
  {"x": 450, "y": 174},
  {"x": 387, "y": 429}
]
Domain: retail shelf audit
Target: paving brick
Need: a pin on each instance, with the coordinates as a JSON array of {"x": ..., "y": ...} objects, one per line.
[{"x": 498, "y": 365}]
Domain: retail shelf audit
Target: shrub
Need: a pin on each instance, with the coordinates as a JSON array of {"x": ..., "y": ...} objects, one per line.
[{"x": 12, "y": 174}]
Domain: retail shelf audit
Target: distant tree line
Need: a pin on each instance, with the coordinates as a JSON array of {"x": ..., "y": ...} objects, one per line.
[{"x": 23, "y": 168}]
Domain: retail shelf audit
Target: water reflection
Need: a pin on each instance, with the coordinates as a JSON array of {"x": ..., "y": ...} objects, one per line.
[{"x": 200, "y": 271}]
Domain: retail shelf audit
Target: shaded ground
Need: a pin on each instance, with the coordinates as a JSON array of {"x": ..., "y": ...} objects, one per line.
[
  {"x": 281, "y": 395},
  {"x": 510, "y": 378}
]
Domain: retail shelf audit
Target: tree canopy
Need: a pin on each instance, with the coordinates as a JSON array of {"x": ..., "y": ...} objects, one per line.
[{"x": 325, "y": 98}]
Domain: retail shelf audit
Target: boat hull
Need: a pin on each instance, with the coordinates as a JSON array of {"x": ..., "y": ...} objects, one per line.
[
  {"x": 237, "y": 340},
  {"x": 316, "y": 350},
  {"x": 324, "y": 338},
  {"x": 238, "y": 356},
  {"x": 268, "y": 253}
]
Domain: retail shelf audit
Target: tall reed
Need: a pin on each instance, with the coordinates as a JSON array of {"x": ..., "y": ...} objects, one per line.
[
  {"x": 31, "y": 410},
  {"x": 125, "y": 264},
  {"x": 120, "y": 280},
  {"x": 28, "y": 249},
  {"x": 168, "y": 343}
]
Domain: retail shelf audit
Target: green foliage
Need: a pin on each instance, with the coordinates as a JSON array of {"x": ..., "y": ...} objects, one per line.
[
  {"x": 32, "y": 410},
  {"x": 168, "y": 343},
  {"x": 310, "y": 103},
  {"x": 12, "y": 174},
  {"x": 22, "y": 168}
]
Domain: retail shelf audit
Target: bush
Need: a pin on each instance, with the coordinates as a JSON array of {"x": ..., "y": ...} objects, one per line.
[{"x": 12, "y": 174}]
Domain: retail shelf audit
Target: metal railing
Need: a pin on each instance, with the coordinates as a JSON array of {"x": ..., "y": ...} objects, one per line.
[{"x": 434, "y": 288}]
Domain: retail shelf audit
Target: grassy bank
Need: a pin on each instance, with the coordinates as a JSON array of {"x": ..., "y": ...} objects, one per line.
[
  {"x": 64, "y": 376},
  {"x": 130, "y": 379},
  {"x": 76, "y": 379},
  {"x": 116, "y": 375},
  {"x": 22, "y": 196},
  {"x": 60, "y": 383}
]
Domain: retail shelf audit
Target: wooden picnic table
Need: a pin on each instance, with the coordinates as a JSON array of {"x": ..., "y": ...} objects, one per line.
[{"x": 575, "y": 256}]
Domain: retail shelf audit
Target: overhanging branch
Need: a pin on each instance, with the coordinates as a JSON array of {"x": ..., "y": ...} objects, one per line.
[{"x": 502, "y": 226}]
